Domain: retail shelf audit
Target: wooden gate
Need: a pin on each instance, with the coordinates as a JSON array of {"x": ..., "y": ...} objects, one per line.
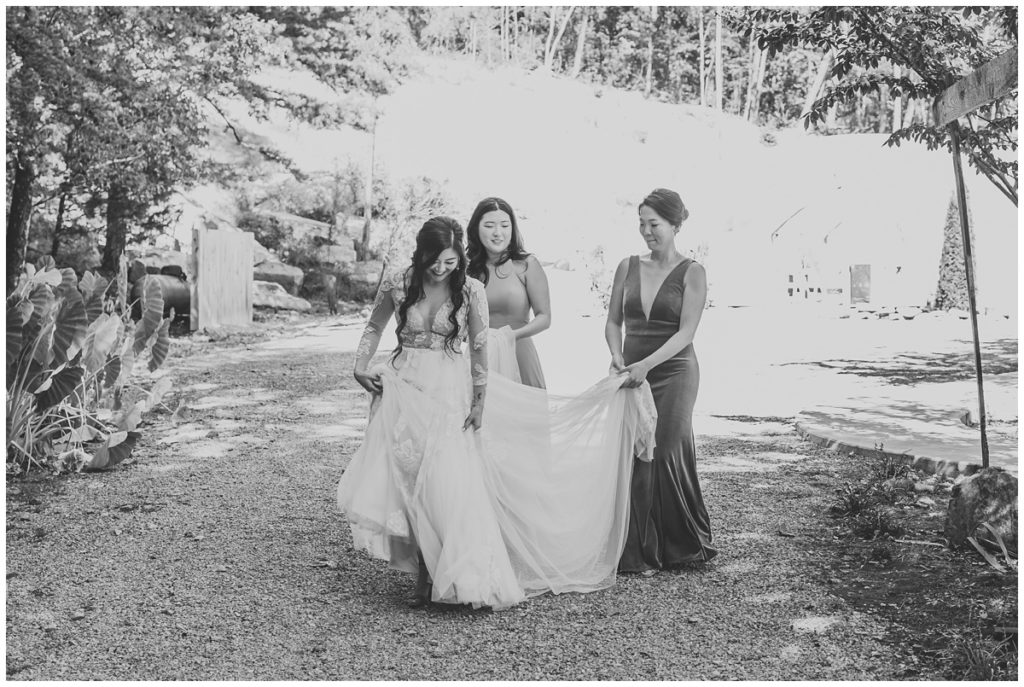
[
  {"x": 221, "y": 278},
  {"x": 860, "y": 284}
]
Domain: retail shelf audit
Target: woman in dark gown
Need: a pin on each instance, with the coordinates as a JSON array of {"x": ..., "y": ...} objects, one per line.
[{"x": 660, "y": 297}]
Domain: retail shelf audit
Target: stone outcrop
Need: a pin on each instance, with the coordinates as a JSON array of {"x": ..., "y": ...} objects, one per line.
[
  {"x": 267, "y": 294},
  {"x": 988, "y": 496},
  {"x": 287, "y": 276}
]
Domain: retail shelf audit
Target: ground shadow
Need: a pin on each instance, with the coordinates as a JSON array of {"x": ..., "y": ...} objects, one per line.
[{"x": 998, "y": 357}]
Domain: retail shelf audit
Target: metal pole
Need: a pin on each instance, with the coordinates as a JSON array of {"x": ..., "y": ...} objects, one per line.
[{"x": 961, "y": 193}]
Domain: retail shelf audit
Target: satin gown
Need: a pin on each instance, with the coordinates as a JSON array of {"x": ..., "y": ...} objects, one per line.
[
  {"x": 509, "y": 306},
  {"x": 536, "y": 501},
  {"x": 669, "y": 523}
]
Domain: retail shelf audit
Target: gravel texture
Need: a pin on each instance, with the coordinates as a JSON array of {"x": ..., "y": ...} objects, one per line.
[{"x": 217, "y": 554}]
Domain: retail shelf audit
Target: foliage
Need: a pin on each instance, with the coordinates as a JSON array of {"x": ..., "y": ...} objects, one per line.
[
  {"x": 408, "y": 204},
  {"x": 72, "y": 348},
  {"x": 913, "y": 53}
]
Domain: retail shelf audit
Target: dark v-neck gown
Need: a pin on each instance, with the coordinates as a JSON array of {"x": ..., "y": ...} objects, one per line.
[{"x": 668, "y": 522}]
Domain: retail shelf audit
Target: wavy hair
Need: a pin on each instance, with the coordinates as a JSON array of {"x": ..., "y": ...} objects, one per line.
[
  {"x": 437, "y": 235},
  {"x": 477, "y": 254}
]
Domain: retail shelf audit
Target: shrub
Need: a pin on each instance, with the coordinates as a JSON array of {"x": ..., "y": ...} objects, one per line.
[{"x": 72, "y": 348}]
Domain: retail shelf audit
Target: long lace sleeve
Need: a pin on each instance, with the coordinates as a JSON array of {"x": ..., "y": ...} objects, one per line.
[
  {"x": 383, "y": 309},
  {"x": 478, "y": 322}
]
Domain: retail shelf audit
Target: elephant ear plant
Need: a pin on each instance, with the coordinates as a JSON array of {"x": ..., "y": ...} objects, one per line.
[{"x": 73, "y": 401}]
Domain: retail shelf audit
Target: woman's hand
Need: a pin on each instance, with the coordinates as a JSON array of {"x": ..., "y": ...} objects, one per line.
[
  {"x": 635, "y": 375},
  {"x": 369, "y": 381},
  {"x": 617, "y": 365},
  {"x": 509, "y": 333},
  {"x": 475, "y": 419}
]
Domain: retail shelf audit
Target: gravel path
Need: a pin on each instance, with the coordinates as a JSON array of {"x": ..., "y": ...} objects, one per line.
[{"x": 218, "y": 554}]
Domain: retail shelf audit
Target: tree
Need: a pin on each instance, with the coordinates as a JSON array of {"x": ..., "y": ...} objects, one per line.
[
  {"x": 931, "y": 46},
  {"x": 951, "y": 291},
  {"x": 107, "y": 101}
]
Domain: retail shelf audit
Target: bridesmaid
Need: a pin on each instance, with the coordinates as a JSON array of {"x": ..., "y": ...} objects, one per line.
[
  {"x": 515, "y": 282},
  {"x": 661, "y": 297}
]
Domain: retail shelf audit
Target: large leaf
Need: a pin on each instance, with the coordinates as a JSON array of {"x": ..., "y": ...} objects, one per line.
[
  {"x": 111, "y": 371},
  {"x": 129, "y": 419},
  {"x": 59, "y": 386},
  {"x": 157, "y": 393},
  {"x": 99, "y": 340},
  {"x": 93, "y": 288},
  {"x": 42, "y": 345},
  {"x": 127, "y": 364},
  {"x": 15, "y": 328},
  {"x": 116, "y": 449},
  {"x": 70, "y": 327},
  {"x": 161, "y": 345},
  {"x": 42, "y": 299},
  {"x": 68, "y": 282},
  {"x": 152, "y": 312},
  {"x": 122, "y": 284}
]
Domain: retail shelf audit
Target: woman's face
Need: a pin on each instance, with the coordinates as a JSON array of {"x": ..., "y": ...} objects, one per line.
[
  {"x": 655, "y": 229},
  {"x": 442, "y": 268},
  {"x": 495, "y": 232}
]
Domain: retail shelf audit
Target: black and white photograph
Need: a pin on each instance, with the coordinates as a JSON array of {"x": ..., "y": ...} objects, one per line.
[{"x": 661, "y": 343}]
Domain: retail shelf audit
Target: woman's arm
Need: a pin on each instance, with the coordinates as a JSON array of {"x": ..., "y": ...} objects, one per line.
[
  {"x": 695, "y": 294},
  {"x": 540, "y": 299},
  {"x": 383, "y": 309},
  {"x": 477, "y": 320},
  {"x": 613, "y": 325}
]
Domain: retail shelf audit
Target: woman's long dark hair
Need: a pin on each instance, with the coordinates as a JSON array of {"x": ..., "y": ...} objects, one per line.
[
  {"x": 437, "y": 235},
  {"x": 477, "y": 253}
]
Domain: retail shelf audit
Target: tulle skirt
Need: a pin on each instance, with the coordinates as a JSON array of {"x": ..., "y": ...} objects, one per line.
[{"x": 536, "y": 501}]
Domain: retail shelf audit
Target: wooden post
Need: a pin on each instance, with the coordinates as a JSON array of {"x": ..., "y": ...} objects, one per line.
[
  {"x": 992, "y": 80},
  {"x": 961, "y": 199}
]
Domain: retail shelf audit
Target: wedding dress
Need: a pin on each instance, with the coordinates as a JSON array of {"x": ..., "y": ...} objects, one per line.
[{"x": 536, "y": 501}]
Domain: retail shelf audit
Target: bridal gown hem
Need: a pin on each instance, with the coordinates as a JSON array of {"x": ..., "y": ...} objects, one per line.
[{"x": 536, "y": 501}]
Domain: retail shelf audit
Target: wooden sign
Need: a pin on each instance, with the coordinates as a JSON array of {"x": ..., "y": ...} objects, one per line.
[{"x": 992, "y": 80}]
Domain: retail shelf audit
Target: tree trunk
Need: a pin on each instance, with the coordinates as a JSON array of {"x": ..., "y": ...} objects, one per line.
[
  {"x": 649, "y": 77},
  {"x": 514, "y": 47},
  {"x": 18, "y": 218},
  {"x": 501, "y": 31},
  {"x": 581, "y": 43},
  {"x": 58, "y": 225},
  {"x": 551, "y": 37},
  {"x": 883, "y": 108},
  {"x": 549, "y": 58},
  {"x": 719, "y": 78},
  {"x": 362, "y": 252},
  {"x": 700, "y": 56},
  {"x": 117, "y": 228},
  {"x": 819, "y": 81},
  {"x": 897, "y": 105},
  {"x": 754, "y": 104}
]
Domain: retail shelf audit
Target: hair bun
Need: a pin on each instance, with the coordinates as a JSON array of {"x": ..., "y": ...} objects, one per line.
[{"x": 668, "y": 204}]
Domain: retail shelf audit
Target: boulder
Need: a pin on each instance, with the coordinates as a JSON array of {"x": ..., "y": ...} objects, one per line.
[
  {"x": 287, "y": 276},
  {"x": 267, "y": 294},
  {"x": 989, "y": 495},
  {"x": 261, "y": 254},
  {"x": 365, "y": 273},
  {"x": 340, "y": 256}
]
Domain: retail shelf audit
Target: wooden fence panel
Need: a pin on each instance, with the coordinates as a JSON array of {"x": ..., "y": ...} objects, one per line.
[{"x": 222, "y": 278}]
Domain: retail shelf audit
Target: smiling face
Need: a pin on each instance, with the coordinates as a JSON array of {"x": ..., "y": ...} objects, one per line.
[
  {"x": 495, "y": 232},
  {"x": 655, "y": 229},
  {"x": 441, "y": 269}
]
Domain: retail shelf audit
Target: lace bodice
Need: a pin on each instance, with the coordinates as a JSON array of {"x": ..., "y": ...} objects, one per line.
[{"x": 472, "y": 319}]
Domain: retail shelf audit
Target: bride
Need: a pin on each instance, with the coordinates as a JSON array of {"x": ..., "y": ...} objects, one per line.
[{"x": 490, "y": 491}]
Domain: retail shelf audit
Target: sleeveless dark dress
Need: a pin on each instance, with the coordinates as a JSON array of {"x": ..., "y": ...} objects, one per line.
[{"x": 668, "y": 522}]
